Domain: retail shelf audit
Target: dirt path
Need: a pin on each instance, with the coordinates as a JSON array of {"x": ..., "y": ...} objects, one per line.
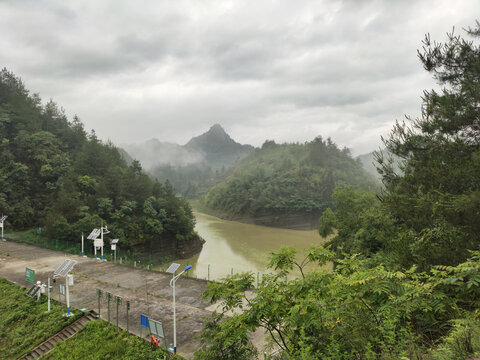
[{"x": 149, "y": 292}]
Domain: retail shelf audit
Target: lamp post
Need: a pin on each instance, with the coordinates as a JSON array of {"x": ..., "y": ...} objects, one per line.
[
  {"x": 103, "y": 230},
  {"x": 172, "y": 270},
  {"x": 62, "y": 271},
  {"x": 82, "y": 244},
  {"x": 2, "y": 221}
]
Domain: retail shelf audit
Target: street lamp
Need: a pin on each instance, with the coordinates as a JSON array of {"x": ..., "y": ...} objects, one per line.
[
  {"x": 114, "y": 248},
  {"x": 2, "y": 221},
  {"x": 172, "y": 270}
]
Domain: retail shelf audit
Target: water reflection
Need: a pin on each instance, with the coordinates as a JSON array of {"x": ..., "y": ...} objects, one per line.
[{"x": 236, "y": 247}]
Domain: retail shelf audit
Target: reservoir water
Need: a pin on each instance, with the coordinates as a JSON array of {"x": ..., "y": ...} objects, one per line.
[{"x": 237, "y": 247}]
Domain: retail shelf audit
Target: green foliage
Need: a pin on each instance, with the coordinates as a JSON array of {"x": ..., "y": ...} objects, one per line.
[
  {"x": 24, "y": 322},
  {"x": 360, "y": 223},
  {"x": 353, "y": 311},
  {"x": 54, "y": 175},
  {"x": 226, "y": 340},
  {"x": 463, "y": 341},
  {"x": 100, "y": 340},
  {"x": 287, "y": 179},
  {"x": 436, "y": 192}
]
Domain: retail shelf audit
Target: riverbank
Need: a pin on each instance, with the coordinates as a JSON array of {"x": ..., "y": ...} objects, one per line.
[
  {"x": 281, "y": 221},
  {"x": 163, "y": 251}
]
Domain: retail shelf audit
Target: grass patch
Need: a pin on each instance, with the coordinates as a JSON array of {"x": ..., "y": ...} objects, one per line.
[
  {"x": 24, "y": 322},
  {"x": 100, "y": 340}
]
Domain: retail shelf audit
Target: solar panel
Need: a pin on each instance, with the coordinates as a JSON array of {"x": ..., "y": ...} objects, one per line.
[
  {"x": 61, "y": 267},
  {"x": 65, "y": 268},
  {"x": 94, "y": 234},
  {"x": 156, "y": 328},
  {"x": 172, "y": 268},
  {"x": 3, "y": 218},
  {"x": 114, "y": 241},
  {"x": 33, "y": 290}
]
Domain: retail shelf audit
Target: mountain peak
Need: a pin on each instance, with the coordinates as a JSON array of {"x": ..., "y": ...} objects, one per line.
[{"x": 217, "y": 129}]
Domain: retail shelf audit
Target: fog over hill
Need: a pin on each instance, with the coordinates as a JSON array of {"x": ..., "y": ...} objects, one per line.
[
  {"x": 214, "y": 148},
  {"x": 186, "y": 166}
]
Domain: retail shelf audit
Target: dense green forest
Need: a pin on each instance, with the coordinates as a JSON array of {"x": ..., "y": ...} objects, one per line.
[
  {"x": 287, "y": 179},
  {"x": 405, "y": 282},
  {"x": 56, "y": 176}
]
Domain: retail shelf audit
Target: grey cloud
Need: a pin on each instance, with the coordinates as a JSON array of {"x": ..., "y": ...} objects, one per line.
[{"x": 287, "y": 70}]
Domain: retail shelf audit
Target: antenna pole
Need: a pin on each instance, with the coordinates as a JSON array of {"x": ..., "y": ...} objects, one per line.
[
  {"x": 67, "y": 295},
  {"x": 48, "y": 294},
  {"x": 102, "y": 241}
]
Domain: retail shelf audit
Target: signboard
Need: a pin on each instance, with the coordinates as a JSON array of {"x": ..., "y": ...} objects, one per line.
[
  {"x": 62, "y": 289},
  {"x": 114, "y": 247},
  {"x": 98, "y": 243},
  {"x": 144, "y": 320},
  {"x": 30, "y": 275},
  {"x": 156, "y": 328}
]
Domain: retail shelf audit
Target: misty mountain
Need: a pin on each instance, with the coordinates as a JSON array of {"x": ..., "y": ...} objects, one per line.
[
  {"x": 187, "y": 166},
  {"x": 370, "y": 165},
  {"x": 154, "y": 152},
  {"x": 217, "y": 148}
]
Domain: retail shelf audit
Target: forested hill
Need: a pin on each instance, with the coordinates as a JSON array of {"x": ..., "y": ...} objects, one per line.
[
  {"x": 287, "y": 179},
  {"x": 55, "y": 175},
  {"x": 218, "y": 148},
  {"x": 188, "y": 166}
]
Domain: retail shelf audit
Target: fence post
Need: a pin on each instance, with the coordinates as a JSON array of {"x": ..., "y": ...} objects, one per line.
[
  {"x": 128, "y": 308},
  {"x": 109, "y": 297}
]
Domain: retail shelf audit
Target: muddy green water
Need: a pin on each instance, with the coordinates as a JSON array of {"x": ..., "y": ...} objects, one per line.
[{"x": 238, "y": 247}]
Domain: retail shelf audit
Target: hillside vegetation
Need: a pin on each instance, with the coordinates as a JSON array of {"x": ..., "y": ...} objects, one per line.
[
  {"x": 55, "y": 175},
  {"x": 287, "y": 179},
  {"x": 25, "y": 323},
  {"x": 405, "y": 282},
  {"x": 100, "y": 340}
]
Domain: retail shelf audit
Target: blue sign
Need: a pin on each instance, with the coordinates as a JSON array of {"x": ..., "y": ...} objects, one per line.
[{"x": 144, "y": 321}]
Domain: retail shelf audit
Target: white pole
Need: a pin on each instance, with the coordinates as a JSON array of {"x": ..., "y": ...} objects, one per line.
[
  {"x": 67, "y": 295},
  {"x": 174, "y": 320},
  {"x": 82, "y": 244},
  {"x": 48, "y": 294},
  {"x": 95, "y": 250},
  {"x": 2, "y": 230},
  {"x": 102, "y": 240}
]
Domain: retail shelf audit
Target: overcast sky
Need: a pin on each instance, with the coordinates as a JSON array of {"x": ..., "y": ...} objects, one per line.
[{"x": 282, "y": 70}]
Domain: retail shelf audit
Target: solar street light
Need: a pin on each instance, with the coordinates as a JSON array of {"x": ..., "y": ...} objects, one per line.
[
  {"x": 171, "y": 269},
  {"x": 62, "y": 271},
  {"x": 2, "y": 220}
]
